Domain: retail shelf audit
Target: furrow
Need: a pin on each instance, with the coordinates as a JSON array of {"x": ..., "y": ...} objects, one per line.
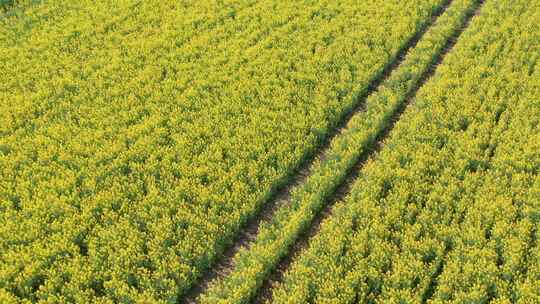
[
  {"x": 344, "y": 189},
  {"x": 282, "y": 195}
]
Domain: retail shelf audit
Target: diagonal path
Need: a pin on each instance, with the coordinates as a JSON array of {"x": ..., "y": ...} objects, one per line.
[
  {"x": 265, "y": 294},
  {"x": 249, "y": 233}
]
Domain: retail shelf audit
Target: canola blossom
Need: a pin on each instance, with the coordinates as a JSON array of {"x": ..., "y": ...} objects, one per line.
[
  {"x": 137, "y": 137},
  {"x": 448, "y": 211}
]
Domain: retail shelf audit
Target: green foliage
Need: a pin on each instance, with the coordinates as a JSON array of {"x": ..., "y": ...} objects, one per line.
[
  {"x": 6, "y": 3},
  {"x": 137, "y": 136}
]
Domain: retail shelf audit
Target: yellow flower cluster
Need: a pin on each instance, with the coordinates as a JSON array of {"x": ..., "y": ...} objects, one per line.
[
  {"x": 137, "y": 136},
  {"x": 449, "y": 211},
  {"x": 275, "y": 237}
]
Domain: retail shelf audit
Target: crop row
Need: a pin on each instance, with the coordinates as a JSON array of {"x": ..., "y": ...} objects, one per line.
[
  {"x": 448, "y": 211},
  {"x": 137, "y": 137},
  {"x": 252, "y": 265}
]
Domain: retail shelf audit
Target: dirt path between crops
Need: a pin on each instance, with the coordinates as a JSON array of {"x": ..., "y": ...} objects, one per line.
[
  {"x": 265, "y": 293},
  {"x": 248, "y": 233}
]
